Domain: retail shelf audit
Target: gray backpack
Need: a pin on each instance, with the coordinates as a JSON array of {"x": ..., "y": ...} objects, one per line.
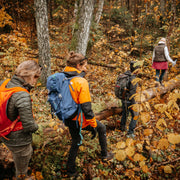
[{"x": 122, "y": 86}]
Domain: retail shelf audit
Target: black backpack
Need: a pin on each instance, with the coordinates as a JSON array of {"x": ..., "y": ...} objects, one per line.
[{"x": 122, "y": 86}]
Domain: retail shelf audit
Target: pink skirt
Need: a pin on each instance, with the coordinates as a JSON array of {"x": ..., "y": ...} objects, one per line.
[{"x": 160, "y": 65}]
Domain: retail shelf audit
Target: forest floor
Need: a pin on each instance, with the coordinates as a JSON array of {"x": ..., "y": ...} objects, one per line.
[{"x": 154, "y": 153}]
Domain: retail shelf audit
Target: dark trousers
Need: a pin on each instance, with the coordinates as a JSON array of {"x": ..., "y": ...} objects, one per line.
[
  {"x": 160, "y": 74},
  {"x": 125, "y": 113},
  {"x": 74, "y": 131}
]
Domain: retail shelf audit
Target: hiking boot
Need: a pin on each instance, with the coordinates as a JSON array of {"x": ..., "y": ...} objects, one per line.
[
  {"x": 108, "y": 157},
  {"x": 131, "y": 136},
  {"x": 157, "y": 84}
]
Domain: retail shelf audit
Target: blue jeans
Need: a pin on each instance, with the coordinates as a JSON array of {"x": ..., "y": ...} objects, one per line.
[
  {"x": 159, "y": 76},
  {"x": 125, "y": 113},
  {"x": 74, "y": 131}
]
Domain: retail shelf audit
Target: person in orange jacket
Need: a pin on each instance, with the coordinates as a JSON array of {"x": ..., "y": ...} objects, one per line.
[{"x": 77, "y": 66}]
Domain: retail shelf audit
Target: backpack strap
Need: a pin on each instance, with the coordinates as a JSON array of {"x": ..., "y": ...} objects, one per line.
[
  {"x": 79, "y": 112},
  {"x": 12, "y": 125}
]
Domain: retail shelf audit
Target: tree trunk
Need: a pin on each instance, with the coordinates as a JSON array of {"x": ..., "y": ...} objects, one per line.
[
  {"x": 41, "y": 15},
  {"x": 99, "y": 11},
  {"x": 162, "y": 6},
  {"x": 82, "y": 28}
]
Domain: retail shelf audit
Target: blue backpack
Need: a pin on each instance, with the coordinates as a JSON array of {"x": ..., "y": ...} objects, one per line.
[
  {"x": 59, "y": 96},
  {"x": 62, "y": 103}
]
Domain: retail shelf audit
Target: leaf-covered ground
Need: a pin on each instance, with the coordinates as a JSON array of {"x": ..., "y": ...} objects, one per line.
[{"x": 155, "y": 151}]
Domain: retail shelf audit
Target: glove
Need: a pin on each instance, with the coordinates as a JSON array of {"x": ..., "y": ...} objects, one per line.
[
  {"x": 174, "y": 63},
  {"x": 93, "y": 132}
]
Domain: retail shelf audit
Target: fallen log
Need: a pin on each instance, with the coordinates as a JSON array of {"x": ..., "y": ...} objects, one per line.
[{"x": 150, "y": 93}]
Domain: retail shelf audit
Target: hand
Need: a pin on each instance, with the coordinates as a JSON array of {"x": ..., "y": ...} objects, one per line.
[
  {"x": 174, "y": 63},
  {"x": 94, "y": 132}
]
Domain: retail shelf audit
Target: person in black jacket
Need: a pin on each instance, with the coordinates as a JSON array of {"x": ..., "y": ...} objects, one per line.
[
  {"x": 19, "y": 104},
  {"x": 128, "y": 101}
]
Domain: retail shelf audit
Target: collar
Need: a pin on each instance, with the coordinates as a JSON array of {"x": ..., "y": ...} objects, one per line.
[
  {"x": 19, "y": 81},
  {"x": 68, "y": 68},
  {"x": 71, "y": 71}
]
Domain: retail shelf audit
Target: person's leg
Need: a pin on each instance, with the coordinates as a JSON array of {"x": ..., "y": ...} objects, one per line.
[
  {"x": 21, "y": 156},
  {"x": 74, "y": 131},
  {"x": 162, "y": 75},
  {"x": 125, "y": 113},
  {"x": 101, "y": 129},
  {"x": 133, "y": 122},
  {"x": 157, "y": 74}
]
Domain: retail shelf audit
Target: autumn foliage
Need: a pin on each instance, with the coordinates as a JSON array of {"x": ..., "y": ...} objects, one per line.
[{"x": 155, "y": 151}]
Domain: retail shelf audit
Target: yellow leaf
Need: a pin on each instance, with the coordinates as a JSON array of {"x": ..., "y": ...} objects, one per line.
[
  {"x": 161, "y": 107},
  {"x": 142, "y": 163},
  {"x": 129, "y": 142},
  {"x": 167, "y": 169},
  {"x": 155, "y": 8},
  {"x": 136, "y": 107},
  {"x": 161, "y": 124},
  {"x": 82, "y": 148},
  {"x": 148, "y": 132},
  {"x": 163, "y": 144},
  {"x": 139, "y": 97},
  {"x": 130, "y": 151},
  {"x": 136, "y": 118},
  {"x": 120, "y": 155},
  {"x": 136, "y": 80},
  {"x": 145, "y": 117},
  {"x": 121, "y": 145},
  {"x": 51, "y": 124},
  {"x": 129, "y": 173},
  {"x": 139, "y": 146},
  {"x": 145, "y": 168},
  {"x": 174, "y": 138},
  {"x": 168, "y": 115},
  {"x": 139, "y": 157}
]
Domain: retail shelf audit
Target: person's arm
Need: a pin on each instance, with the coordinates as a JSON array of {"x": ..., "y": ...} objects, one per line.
[
  {"x": 166, "y": 52},
  {"x": 24, "y": 107},
  {"x": 81, "y": 95},
  {"x": 153, "y": 56}
]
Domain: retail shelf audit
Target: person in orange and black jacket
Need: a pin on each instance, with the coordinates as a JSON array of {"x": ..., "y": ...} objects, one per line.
[{"x": 77, "y": 66}]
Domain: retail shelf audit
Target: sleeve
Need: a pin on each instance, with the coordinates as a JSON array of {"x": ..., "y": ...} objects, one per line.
[
  {"x": 153, "y": 56},
  {"x": 24, "y": 106},
  {"x": 84, "y": 99},
  {"x": 166, "y": 52}
]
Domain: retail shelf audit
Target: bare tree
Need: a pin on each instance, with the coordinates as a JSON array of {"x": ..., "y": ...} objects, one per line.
[
  {"x": 82, "y": 27},
  {"x": 99, "y": 11},
  {"x": 41, "y": 15}
]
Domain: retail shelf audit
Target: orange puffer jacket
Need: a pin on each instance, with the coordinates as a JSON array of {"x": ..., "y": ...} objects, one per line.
[{"x": 81, "y": 95}]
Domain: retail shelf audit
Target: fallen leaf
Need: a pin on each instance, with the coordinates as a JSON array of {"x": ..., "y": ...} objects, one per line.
[
  {"x": 120, "y": 155},
  {"x": 174, "y": 138},
  {"x": 167, "y": 169}
]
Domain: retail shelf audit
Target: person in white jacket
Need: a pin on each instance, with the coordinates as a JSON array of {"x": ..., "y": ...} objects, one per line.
[{"x": 160, "y": 59}]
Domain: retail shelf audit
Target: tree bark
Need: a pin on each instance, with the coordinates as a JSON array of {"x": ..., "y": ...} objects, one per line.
[
  {"x": 82, "y": 28},
  {"x": 41, "y": 15},
  {"x": 99, "y": 11}
]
